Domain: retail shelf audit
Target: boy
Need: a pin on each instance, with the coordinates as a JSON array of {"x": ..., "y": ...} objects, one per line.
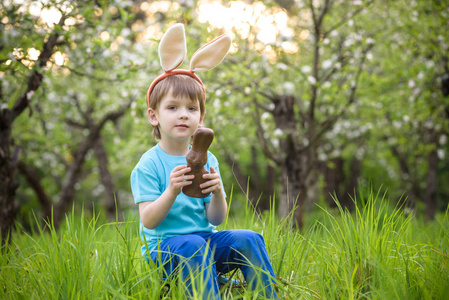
[{"x": 179, "y": 230}]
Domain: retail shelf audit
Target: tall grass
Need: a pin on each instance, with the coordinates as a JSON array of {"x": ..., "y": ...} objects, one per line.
[{"x": 376, "y": 252}]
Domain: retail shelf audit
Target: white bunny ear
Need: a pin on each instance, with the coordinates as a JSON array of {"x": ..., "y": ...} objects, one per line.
[
  {"x": 211, "y": 54},
  {"x": 172, "y": 47}
]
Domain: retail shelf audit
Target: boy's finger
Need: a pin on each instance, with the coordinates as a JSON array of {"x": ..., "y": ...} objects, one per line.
[
  {"x": 208, "y": 190},
  {"x": 181, "y": 171},
  {"x": 184, "y": 178},
  {"x": 183, "y": 183},
  {"x": 212, "y": 170},
  {"x": 209, "y": 183},
  {"x": 210, "y": 176},
  {"x": 180, "y": 167}
]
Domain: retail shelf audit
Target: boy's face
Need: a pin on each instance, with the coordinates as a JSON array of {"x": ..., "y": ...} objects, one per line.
[{"x": 177, "y": 117}]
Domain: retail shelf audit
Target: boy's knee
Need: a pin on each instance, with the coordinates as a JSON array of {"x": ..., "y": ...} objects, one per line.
[
  {"x": 249, "y": 235},
  {"x": 192, "y": 245},
  {"x": 248, "y": 239}
]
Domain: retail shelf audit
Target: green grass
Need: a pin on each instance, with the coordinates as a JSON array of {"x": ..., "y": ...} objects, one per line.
[{"x": 377, "y": 252}]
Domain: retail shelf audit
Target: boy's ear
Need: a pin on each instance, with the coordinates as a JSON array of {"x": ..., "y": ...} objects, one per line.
[
  {"x": 152, "y": 117},
  {"x": 201, "y": 121}
]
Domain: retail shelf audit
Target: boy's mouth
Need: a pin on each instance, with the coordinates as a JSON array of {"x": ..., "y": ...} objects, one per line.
[{"x": 182, "y": 126}]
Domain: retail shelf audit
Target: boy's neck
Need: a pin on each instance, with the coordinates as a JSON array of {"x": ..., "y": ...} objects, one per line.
[{"x": 175, "y": 148}]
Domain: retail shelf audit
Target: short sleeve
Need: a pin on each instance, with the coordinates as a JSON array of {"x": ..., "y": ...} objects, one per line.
[{"x": 145, "y": 184}]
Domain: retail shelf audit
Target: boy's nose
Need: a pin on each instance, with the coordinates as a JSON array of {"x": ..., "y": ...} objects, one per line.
[{"x": 183, "y": 114}]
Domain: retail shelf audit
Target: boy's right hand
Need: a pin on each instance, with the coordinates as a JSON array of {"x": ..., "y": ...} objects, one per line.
[{"x": 178, "y": 179}]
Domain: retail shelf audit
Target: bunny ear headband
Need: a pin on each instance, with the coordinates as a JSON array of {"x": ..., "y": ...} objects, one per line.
[{"x": 172, "y": 52}]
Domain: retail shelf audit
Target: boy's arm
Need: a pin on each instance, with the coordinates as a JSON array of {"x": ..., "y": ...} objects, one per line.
[
  {"x": 217, "y": 208},
  {"x": 152, "y": 213}
]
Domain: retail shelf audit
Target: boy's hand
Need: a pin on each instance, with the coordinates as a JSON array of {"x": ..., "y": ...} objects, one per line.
[
  {"x": 179, "y": 180},
  {"x": 213, "y": 183}
]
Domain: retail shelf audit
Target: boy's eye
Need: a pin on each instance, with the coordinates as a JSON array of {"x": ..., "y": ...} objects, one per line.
[
  {"x": 171, "y": 107},
  {"x": 193, "y": 108}
]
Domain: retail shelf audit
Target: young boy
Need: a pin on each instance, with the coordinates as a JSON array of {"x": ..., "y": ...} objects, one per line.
[{"x": 178, "y": 230}]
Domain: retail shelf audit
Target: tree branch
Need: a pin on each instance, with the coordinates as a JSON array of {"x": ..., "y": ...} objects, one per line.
[
  {"x": 35, "y": 79},
  {"x": 72, "y": 174},
  {"x": 329, "y": 123},
  {"x": 266, "y": 145},
  {"x": 345, "y": 19},
  {"x": 33, "y": 179},
  {"x": 83, "y": 74}
]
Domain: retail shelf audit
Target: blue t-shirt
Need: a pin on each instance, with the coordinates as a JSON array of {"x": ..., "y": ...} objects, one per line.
[{"x": 150, "y": 178}]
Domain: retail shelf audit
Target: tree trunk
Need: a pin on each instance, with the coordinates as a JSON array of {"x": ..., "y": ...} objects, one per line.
[
  {"x": 430, "y": 197},
  {"x": 352, "y": 184},
  {"x": 333, "y": 178},
  {"x": 33, "y": 180},
  {"x": 111, "y": 201},
  {"x": 267, "y": 202},
  {"x": 258, "y": 190},
  {"x": 8, "y": 185},
  {"x": 72, "y": 176},
  {"x": 413, "y": 189},
  {"x": 294, "y": 190}
]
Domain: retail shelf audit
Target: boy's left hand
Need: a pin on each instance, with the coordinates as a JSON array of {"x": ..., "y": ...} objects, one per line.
[{"x": 213, "y": 183}]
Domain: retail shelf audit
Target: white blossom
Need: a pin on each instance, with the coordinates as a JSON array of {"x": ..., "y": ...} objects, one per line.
[
  {"x": 370, "y": 40},
  {"x": 397, "y": 124},
  {"x": 281, "y": 66},
  {"x": 441, "y": 153},
  {"x": 312, "y": 80},
  {"x": 327, "y": 64},
  {"x": 322, "y": 157},
  {"x": 30, "y": 95},
  {"x": 289, "y": 87},
  {"x": 278, "y": 132},
  {"x": 306, "y": 69},
  {"x": 126, "y": 32},
  {"x": 348, "y": 42}
]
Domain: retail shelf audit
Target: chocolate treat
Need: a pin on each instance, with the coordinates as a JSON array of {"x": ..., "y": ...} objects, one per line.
[{"x": 196, "y": 159}]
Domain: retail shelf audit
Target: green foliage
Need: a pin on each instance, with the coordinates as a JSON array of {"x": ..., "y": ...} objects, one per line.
[{"x": 110, "y": 58}]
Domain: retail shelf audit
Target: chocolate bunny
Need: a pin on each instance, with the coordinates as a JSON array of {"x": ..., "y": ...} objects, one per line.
[{"x": 196, "y": 159}]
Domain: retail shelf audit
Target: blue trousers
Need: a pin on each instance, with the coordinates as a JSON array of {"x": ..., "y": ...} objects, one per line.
[{"x": 206, "y": 253}]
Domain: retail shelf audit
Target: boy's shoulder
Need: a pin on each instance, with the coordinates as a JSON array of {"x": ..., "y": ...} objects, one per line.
[
  {"x": 150, "y": 157},
  {"x": 211, "y": 158},
  {"x": 210, "y": 154}
]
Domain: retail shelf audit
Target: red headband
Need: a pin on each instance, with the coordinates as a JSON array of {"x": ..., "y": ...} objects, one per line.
[{"x": 174, "y": 72}]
